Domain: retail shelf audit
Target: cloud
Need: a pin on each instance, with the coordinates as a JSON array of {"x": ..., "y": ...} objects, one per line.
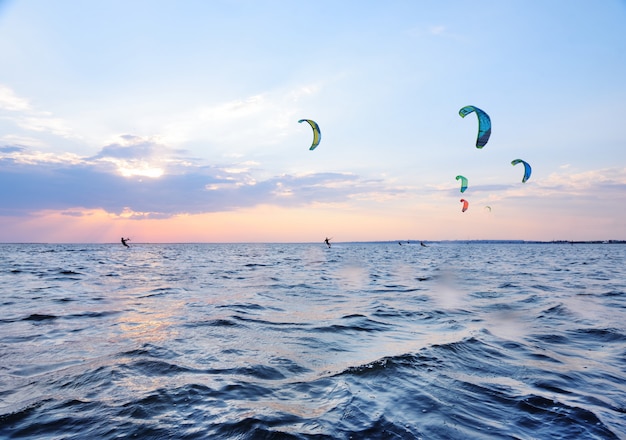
[
  {"x": 562, "y": 190},
  {"x": 44, "y": 122},
  {"x": 137, "y": 156},
  {"x": 20, "y": 112},
  {"x": 11, "y": 102},
  {"x": 602, "y": 183},
  {"x": 11, "y": 149},
  {"x": 435, "y": 31},
  {"x": 116, "y": 180},
  {"x": 237, "y": 125},
  {"x": 12, "y": 140},
  {"x": 75, "y": 213}
]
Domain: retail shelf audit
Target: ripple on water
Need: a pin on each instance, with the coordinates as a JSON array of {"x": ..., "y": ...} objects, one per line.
[{"x": 250, "y": 341}]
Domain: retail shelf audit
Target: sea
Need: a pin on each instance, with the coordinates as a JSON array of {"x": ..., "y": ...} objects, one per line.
[{"x": 393, "y": 340}]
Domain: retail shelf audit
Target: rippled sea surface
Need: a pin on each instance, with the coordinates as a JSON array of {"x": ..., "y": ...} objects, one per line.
[{"x": 298, "y": 341}]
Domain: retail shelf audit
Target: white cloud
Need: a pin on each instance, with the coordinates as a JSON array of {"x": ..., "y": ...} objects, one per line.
[
  {"x": 10, "y": 101},
  {"x": 594, "y": 183},
  {"x": 45, "y": 122},
  {"x": 25, "y": 157},
  {"x": 22, "y": 141},
  {"x": 303, "y": 91},
  {"x": 24, "y": 116},
  {"x": 236, "y": 126},
  {"x": 437, "y": 30}
]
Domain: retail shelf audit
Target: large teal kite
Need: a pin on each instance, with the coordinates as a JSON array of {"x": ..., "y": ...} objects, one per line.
[
  {"x": 484, "y": 124},
  {"x": 317, "y": 134}
]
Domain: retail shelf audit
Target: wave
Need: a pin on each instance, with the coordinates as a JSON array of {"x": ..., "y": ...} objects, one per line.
[
  {"x": 301, "y": 342},
  {"x": 469, "y": 389}
]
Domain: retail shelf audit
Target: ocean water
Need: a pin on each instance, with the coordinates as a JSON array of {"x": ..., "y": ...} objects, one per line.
[{"x": 298, "y": 341}]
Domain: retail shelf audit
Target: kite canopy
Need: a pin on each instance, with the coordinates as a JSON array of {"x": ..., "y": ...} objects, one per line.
[
  {"x": 317, "y": 134},
  {"x": 484, "y": 124},
  {"x": 463, "y": 182},
  {"x": 465, "y": 205},
  {"x": 527, "y": 169}
]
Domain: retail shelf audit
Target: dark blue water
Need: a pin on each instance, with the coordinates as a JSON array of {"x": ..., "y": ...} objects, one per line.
[{"x": 286, "y": 341}]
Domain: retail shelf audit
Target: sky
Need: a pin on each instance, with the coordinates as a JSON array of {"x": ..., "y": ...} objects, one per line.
[{"x": 168, "y": 121}]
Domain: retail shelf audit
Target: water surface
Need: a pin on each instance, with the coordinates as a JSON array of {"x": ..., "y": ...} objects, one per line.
[{"x": 281, "y": 341}]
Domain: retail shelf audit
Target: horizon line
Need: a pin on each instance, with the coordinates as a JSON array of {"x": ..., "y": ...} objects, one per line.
[{"x": 409, "y": 241}]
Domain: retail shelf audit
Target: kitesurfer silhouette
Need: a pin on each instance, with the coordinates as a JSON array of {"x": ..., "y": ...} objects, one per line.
[
  {"x": 124, "y": 240},
  {"x": 327, "y": 241}
]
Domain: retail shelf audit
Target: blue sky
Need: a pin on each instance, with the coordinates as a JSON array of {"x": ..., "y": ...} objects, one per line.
[{"x": 155, "y": 111}]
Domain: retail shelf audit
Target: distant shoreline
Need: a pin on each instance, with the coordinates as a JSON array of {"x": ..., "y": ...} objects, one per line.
[
  {"x": 352, "y": 242},
  {"x": 536, "y": 241},
  {"x": 498, "y": 241}
]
